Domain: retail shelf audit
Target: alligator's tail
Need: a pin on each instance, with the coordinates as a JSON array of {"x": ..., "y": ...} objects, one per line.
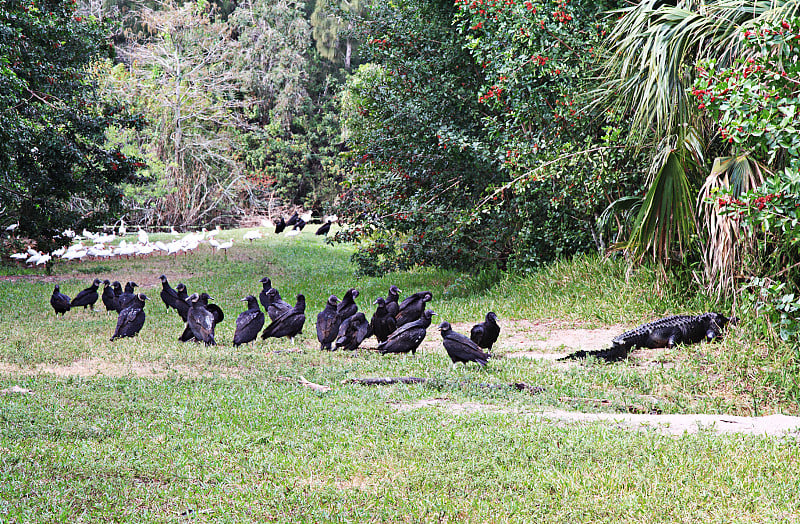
[{"x": 612, "y": 354}]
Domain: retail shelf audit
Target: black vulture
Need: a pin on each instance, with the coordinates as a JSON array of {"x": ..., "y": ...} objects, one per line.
[
  {"x": 219, "y": 316},
  {"x": 182, "y": 305},
  {"x": 280, "y": 226},
  {"x": 324, "y": 228},
  {"x": 117, "y": 287},
  {"x": 276, "y": 306},
  {"x": 168, "y": 294},
  {"x": 87, "y": 297},
  {"x": 461, "y": 349},
  {"x": 293, "y": 219},
  {"x": 266, "y": 285},
  {"x": 249, "y": 322},
  {"x": 131, "y": 318},
  {"x": 59, "y": 301},
  {"x": 347, "y": 307},
  {"x": 109, "y": 298},
  {"x": 412, "y": 307},
  {"x": 382, "y": 323},
  {"x": 127, "y": 295},
  {"x": 485, "y": 333},
  {"x": 183, "y": 293},
  {"x": 290, "y": 323},
  {"x": 353, "y": 331},
  {"x": 327, "y": 324},
  {"x": 409, "y": 337},
  {"x": 392, "y": 306},
  {"x": 299, "y": 225},
  {"x": 199, "y": 320}
]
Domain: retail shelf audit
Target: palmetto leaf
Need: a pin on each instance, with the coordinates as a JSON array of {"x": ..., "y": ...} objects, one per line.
[
  {"x": 666, "y": 220},
  {"x": 651, "y": 51},
  {"x": 649, "y": 65},
  {"x": 725, "y": 243},
  {"x": 622, "y": 210}
]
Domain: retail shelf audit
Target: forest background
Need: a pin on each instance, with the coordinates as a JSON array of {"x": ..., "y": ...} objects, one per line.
[{"x": 484, "y": 135}]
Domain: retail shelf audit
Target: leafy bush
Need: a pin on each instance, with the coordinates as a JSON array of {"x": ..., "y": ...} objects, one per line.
[
  {"x": 484, "y": 132},
  {"x": 57, "y": 170},
  {"x": 756, "y": 102}
]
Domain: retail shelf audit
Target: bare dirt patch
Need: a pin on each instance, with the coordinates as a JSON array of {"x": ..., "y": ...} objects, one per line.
[
  {"x": 673, "y": 425},
  {"x": 548, "y": 339},
  {"x": 678, "y": 424},
  {"x": 103, "y": 368},
  {"x": 543, "y": 339}
]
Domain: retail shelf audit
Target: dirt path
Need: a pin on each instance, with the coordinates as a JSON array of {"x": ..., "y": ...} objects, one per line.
[{"x": 673, "y": 425}]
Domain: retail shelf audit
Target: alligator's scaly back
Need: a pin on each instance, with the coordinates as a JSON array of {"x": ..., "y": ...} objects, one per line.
[{"x": 664, "y": 332}]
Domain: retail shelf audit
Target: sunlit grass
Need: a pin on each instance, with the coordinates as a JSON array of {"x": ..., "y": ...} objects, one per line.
[{"x": 153, "y": 430}]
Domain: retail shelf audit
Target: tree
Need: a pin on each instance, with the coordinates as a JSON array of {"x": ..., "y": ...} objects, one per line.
[
  {"x": 413, "y": 121},
  {"x": 474, "y": 147},
  {"x": 292, "y": 147},
  {"x": 333, "y": 29},
  {"x": 273, "y": 38},
  {"x": 183, "y": 77},
  {"x": 56, "y": 170},
  {"x": 564, "y": 159}
]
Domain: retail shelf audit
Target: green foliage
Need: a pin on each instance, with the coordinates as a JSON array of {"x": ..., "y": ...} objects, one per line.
[
  {"x": 332, "y": 29},
  {"x": 756, "y": 102},
  {"x": 273, "y": 38},
  {"x": 500, "y": 154},
  {"x": 243, "y": 113},
  {"x": 648, "y": 65},
  {"x": 651, "y": 51},
  {"x": 57, "y": 172},
  {"x": 300, "y": 164},
  {"x": 666, "y": 216},
  {"x": 194, "y": 106},
  {"x": 418, "y": 160}
]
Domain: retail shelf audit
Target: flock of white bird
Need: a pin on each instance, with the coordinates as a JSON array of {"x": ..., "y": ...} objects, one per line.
[
  {"x": 88, "y": 246},
  {"x": 93, "y": 246}
]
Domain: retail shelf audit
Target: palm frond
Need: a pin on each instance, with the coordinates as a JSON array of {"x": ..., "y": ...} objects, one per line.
[
  {"x": 725, "y": 245},
  {"x": 665, "y": 221},
  {"x": 653, "y": 47},
  {"x": 622, "y": 211}
]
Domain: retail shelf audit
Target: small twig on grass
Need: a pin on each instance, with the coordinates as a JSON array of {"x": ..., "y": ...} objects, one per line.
[
  {"x": 311, "y": 385},
  {"x": 585, "y": 399}
]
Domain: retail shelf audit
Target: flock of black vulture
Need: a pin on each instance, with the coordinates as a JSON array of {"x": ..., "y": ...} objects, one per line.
[
  {"x": 399, "y": 326},
  {"x": 296, "y": 223}
]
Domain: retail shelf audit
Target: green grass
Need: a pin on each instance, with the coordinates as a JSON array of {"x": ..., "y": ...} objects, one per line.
[{"x": 172, "y": 432}]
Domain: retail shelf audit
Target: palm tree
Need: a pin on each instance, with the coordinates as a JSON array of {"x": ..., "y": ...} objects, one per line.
[{"x": 651, "y": 54}]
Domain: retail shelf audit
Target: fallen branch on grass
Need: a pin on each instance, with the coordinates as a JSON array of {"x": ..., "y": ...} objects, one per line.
[
  {"x": 384, "y": 381},
  {"x": 312, "y": 385}
]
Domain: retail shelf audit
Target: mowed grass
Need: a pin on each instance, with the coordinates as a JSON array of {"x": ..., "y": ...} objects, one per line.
[{"x": 153, "y": 430}]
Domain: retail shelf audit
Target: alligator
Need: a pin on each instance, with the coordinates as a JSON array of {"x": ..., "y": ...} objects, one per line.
[{"x": 665, "y": 332}]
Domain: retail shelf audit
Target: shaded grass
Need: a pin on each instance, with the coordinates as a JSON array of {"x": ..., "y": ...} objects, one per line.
[{"x": 256, "y": 446}]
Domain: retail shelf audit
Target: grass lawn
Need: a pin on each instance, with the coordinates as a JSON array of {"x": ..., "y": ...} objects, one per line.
[{"x": 154, "y": 430}]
